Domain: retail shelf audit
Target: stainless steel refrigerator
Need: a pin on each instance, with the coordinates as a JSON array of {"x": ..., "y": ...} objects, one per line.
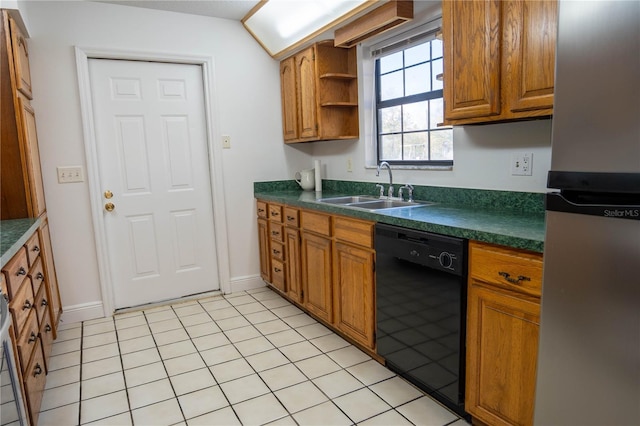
[{"x": 589, "y": 352}]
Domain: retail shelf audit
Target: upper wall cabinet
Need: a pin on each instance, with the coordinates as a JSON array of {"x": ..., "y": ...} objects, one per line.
[
  {"x": 499, "y": 59},
  {"x": 319, "y": 88}
]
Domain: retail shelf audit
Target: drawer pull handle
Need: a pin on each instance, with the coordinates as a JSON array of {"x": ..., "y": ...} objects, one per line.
[
  {"x": 21, "y": 271},
  {"x": 260, "y": 210},
  {"x": 27, "y": 305},
  {"x": 47, "y": 328},
  {"x": 277, "y": 269},
  {"x": 290, "y": 218},
  {"x": 44, "y": 302},
  {"x": 32, "y": 337},
  {"x": 36, "y": 249},
  {"x": 275, "y": 214},
  {"x": 39, "y": 276},
  {"x": 37, "y": 370},
  {"x": 517, "y": 280},
  {"x": 276, "y": 252},
  {"x": 275, "y": 233}
]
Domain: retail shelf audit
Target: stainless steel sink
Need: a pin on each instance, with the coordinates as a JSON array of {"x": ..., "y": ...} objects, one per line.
[{"x": 366, "y": 202}]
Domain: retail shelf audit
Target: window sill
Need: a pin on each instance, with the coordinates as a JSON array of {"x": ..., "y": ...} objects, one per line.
[{"x": 412, "y": 167}]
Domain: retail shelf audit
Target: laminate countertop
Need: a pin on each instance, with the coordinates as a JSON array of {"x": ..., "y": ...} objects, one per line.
[
  {"x": 510, "y": 228},
  {"x": 14, "y": 234}
]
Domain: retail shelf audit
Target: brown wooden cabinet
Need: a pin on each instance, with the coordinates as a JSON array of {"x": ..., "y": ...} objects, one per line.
[
  {"x": 317, "y": 264},
  {"x": 319, "y": 89},
  {"x": 294, "y": 254},
  {"x": 499, "y": 59},
  {"x": 503, "y": 316}
]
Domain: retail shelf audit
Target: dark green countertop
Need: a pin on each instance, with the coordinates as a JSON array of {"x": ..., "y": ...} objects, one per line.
[
  {"x": 513, "y": 228},
  {"x": 13, "y": 234}
]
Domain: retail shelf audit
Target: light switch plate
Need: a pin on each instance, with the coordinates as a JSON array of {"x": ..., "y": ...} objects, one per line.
[{"x": 70, "y": 174}]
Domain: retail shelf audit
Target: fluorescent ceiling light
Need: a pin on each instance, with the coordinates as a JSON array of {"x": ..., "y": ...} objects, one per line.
[{"x": 280, "y": 24}]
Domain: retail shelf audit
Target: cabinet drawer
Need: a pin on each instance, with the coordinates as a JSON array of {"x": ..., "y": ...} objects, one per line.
[
  {"x": 28, "y": 339},
  {"x": 353, "y": 231},
  {"x": 276, "y": 232},
  {"x": 16, "y": 271},
  {"x": 34, "y": 381},
  {"x": 275, "y": 213},
  {"x": 291, "y": 217},
  {"x": 316, "y": 222},
  {"x": 41, "y": 302},
  {"x": 37, "y": 276},
  {"x": 261, "y": 207},
  {"x": 21, "y": 305},
  {"x": 507, "y": 268},
  {"x": 46, "y": 336},
  {"x": 33, "y": 248},
  {"x": 277, "y": 273},
  {"x": 277, "y": 250}
]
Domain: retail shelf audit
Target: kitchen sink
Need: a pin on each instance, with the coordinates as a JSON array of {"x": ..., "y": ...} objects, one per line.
[{"x": 366, "y": 202}]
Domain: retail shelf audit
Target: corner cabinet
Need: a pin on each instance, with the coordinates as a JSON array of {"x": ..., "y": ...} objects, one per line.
[
  {"x": 503, "y": 317},
  {"x": 499, "y": 59},
  {"x": 319, "y": 88}
]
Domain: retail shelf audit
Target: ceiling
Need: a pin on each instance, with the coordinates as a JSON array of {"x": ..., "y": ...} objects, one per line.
[{"x": 227, "y": 9}]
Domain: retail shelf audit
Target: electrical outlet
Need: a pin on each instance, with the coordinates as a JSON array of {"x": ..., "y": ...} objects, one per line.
[
  {"x": 226, "y": 142},
  {"x": 522, "y": 164},
  {"x": 70, "y": 174},
  {"x": 349, "y": 165}
]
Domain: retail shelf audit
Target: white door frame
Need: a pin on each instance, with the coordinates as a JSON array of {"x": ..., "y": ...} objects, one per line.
[{"x": 83, "y": 54}]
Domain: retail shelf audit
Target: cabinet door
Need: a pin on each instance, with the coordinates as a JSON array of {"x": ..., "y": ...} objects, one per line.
[
  {"x": 307, "y": 107},
  {"x": 53, "y": 292},
  {"x": 263, "y": 240},
  {"x": 502, "y": 349},
  {"x": 294, "y": 274},
  {"x": 20, "y": 59},
  {"x": 471, "y": 37},
  {"x": 316, "y": 275},
  {"x": 529, "y": 28},
  {"x": 354, "y": 292},
  {"x": 289, "y": 101},
  {"x": 32, "y": 155}
]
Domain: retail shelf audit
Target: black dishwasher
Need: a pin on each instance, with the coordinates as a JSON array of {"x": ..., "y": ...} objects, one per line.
[{"x": 421, "y": 309}]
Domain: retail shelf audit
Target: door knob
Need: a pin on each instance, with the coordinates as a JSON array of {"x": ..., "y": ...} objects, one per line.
[
  {"x": 108, "y": 194},
  {"x": 109, "y": 207}
]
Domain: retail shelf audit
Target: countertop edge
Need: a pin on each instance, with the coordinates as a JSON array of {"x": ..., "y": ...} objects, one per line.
[{"x": 11, "y": 251}]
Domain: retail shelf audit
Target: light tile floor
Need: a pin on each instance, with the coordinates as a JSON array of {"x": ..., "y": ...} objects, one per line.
[{"x": 248, "y": 358}]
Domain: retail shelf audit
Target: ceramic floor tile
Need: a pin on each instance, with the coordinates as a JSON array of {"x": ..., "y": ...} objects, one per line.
[
  {"x": 150, "y": 393},
  {"x": 69, "y": 334},
  {"x": 65, "y": 346},
  {"x": 251, "y": 308},
  {"x": 324, "y": 414},
  {"x": 103, "y": 327},
  {"x": 62, "y": 377},
  {"x": 243, "y": 333},
  {"x": 63, "y": 395},
  {"x": 338, "y": 383},
  {"x": 259, "y": 317},
  {"x": 101, "y": 367},
  {"x": 202, "y": 329},
  {"x": 299, "y": 320},
  {"x": 128, "y": 322},
  {"x": 266, "y": 360},
  {"x": 284, "y": 311},
  {"x": 220, "y": 354},
  {"x": 188, "y": 309},
  {"x": 163, "y": 413},
  {"x": 265, "y": 295},
  {"x": 283, "y": 376},
  {"x": 174, "y": 350},
  {"x": 100, "y": 352},
  {"x": 426, "y": 411},
  {"x": 370, "y": 372},
  {"x": 195, "y": 319},
  {"x": 260, "y": 410},
  {"x": 63, "y": 361},
  {"x": 210, "y": 341},
  {"x": 223, "y": 313},
  {"x": 192, "y": 381},
  {"x": 215, "y": 305},
  {"x": 99, "y": 339},
  {"x": 68, "y": 326},
  {"x": 299, "y": 351},
  {"x": 222, "y": 417},
  {"x": 184, "y": 364},
  {"x": 362, "y": 404},
  {"x": 123, "y": 419},
  {"x": 163, "y": 315},
  {"x": 202, "y": 401},
  {"x": 171, "y": 336},
  {"x": 312, "y": 331},
  {"x": 391, "y": 417},
  {"x": 284, "y": 421},
  {"x": 329, "y": 343},
  {"x": 241, "y": 300},
  {"x": 165, "y": 325},
  {"x": 253, "y": 346},
  {"x": 244, "y": 388},
  {"x": 67, "y": 415},
  {"x": 271, "y": 327},
  {"x": 103, "y": 406},
  {"x": 231, "y": 370},
  {"x": 144, "y": 357},
  {"x": 133, "y": 332},
  {"x": 137, "y": 344},
  {"x": 300, "y": 397},
  {"x": 102, "y": 385},
  {"x": 232, "y": 323},
  {"x": 275, "y": 303},
  {"x": 283, "y": 338},
  {"x": 396, "y": 391},
  {"x": 317, "y": 366},
  {"x": 348, "y": 356},
  {"x": 97, "y": 321},
  {"x": 145, "y": 374}
]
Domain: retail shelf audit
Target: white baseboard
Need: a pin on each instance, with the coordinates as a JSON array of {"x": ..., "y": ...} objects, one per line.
[
  {"x": 82, "y": 312},
  {"x": 246, "y": 283}
]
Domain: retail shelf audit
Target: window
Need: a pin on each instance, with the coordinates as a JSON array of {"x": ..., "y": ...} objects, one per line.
[{"x": 409, "y": 105}]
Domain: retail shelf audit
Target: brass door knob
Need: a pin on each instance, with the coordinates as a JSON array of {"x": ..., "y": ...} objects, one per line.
[
  {"x": 108, "y": 194},
  {"x": 109, "y": 207}
]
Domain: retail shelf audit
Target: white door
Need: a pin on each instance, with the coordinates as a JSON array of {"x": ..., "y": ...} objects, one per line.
[{"x": 151, "y": 144}]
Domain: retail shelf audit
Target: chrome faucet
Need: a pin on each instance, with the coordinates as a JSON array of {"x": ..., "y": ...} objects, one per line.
[{"x": 380, "y": 166}]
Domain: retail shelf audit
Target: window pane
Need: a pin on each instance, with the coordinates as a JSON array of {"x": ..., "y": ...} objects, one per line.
[
  {"x": 390, "y": 120},
  {"x": 416, "y": 54},
  {"x": 414, "y": 116},
  {"x": 391, "y": 147},
  {"x": 391, "y": 86},
  {"x": 436, "y": 113},
  {"x": 436, "y": 49},
  {"x": 437, "y": 69},
  {"x": 442, "y": 144},
  {"x": 416, "y": 146},
  {"x": 417, "y": 79},
  {"x": 391, "y": 63}
]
